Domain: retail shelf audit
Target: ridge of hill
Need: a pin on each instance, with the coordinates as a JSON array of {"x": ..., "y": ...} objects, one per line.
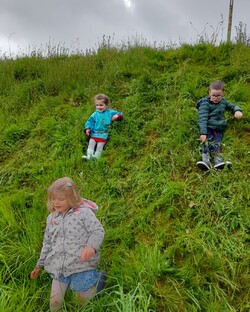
[{"x": 177, "y": 239}]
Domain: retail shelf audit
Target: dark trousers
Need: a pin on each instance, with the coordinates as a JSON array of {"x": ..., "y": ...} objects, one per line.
[{"x": 212, "y": 145}]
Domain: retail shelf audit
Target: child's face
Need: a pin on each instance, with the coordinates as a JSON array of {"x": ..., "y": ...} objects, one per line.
[
  {"x": 60, "y": 203},
  {"x": 216, "y": 95},
  {"x": 100, "y": 105}
]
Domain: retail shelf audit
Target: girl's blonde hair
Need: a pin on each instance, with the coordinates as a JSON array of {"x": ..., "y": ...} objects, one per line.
[{"x": 67, "y": 187}]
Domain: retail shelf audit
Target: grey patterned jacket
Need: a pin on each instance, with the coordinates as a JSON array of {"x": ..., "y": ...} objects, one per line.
[{"x": 66, "y": 236}]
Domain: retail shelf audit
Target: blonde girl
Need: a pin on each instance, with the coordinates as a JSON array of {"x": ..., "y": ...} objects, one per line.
[{"x": 71, "y": 244}]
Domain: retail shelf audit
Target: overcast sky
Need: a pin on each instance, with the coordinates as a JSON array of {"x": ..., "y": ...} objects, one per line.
[{"x": 81, "y": 24}]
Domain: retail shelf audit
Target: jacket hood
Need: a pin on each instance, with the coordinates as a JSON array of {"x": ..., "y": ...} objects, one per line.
[{"x": 89, "y": 204}]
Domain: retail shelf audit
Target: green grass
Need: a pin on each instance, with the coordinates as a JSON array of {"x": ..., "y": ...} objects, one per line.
[{"x": 177, "y": 239}]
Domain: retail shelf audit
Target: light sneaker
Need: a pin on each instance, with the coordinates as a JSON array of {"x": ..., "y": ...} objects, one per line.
[{"x": 88, "y": 157}]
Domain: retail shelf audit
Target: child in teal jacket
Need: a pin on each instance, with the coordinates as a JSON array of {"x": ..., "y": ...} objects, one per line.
[{"x": 98, "y": 126}]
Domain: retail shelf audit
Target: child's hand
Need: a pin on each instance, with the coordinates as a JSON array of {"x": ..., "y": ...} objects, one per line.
[
  {"x": 118, "y": 117},
  {"x": 203, "y": 138},
  {"x": 87, "y": 253},
  {"x": 87, "y": 132},
  {"x": 114, "y": 118},
  {"x": 238, "y": 115},
  {"x": 35, "y": 273}
]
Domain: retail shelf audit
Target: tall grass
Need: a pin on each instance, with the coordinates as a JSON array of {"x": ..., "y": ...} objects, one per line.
[{"x": 177, "y": 239}]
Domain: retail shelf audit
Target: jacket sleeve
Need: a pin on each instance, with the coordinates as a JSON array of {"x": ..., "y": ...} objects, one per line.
[
  {"x": 90, "y": 123},
  {"x": 203, "y": 112},
  {"x": 120, "y": 115},
  {"x": 46, "y": 248},
  {"x": 94, "y": 228},
  {"x": 232, "y": 107}
]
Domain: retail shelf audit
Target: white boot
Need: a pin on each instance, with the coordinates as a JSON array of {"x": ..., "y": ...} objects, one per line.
[
  {"x": 90, "y": 154},
  {"x": 97, "y": 155}
]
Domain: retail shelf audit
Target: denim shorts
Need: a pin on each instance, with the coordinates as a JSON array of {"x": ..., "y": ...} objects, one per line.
[{"x": 81, "y": 281}]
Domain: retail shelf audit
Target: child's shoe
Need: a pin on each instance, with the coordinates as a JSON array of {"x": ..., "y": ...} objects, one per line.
[
  {"x": 97, "y": 155},
  {"x": 89, "y": 155},
  {"x": 218, "y": 162},
  {"x": 101, "y": 282},
  {"x": 204, "y": 164},
  {"x": 85, "y": 157},
  {"x": 228, "y": 164}
]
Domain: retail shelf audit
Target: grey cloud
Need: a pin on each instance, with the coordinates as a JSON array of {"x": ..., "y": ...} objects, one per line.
[{"x": 34, "y": 22}]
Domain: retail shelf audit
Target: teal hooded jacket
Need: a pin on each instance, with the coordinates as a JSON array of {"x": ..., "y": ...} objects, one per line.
[
  {"x": 99, "y": 123},
  {"x": 212, "y": 115}
]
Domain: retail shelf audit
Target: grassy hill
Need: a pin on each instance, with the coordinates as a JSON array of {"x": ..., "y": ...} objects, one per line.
[{"x": 177, "y": 239}]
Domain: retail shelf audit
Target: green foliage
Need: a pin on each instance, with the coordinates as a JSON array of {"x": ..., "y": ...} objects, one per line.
[
  {"x": 177, "y": 239},
  {"x": 13, "y": 134}
]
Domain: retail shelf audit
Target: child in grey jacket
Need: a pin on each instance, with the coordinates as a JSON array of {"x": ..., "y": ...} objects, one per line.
[
  {"x": 71, "y": 244},
  {"x": 212, "y": 124}
]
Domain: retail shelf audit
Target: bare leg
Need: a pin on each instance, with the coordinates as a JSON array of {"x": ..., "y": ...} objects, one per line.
[{"x": 57, "y": 295}]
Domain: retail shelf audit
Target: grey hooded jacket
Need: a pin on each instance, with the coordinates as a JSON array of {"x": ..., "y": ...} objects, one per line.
[
  {"x": 211, "y": 115},
  {"x": 66, "y": 236}
]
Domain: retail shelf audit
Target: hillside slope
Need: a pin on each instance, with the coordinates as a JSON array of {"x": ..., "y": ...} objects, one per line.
[{"x": 177, "y": 239}]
